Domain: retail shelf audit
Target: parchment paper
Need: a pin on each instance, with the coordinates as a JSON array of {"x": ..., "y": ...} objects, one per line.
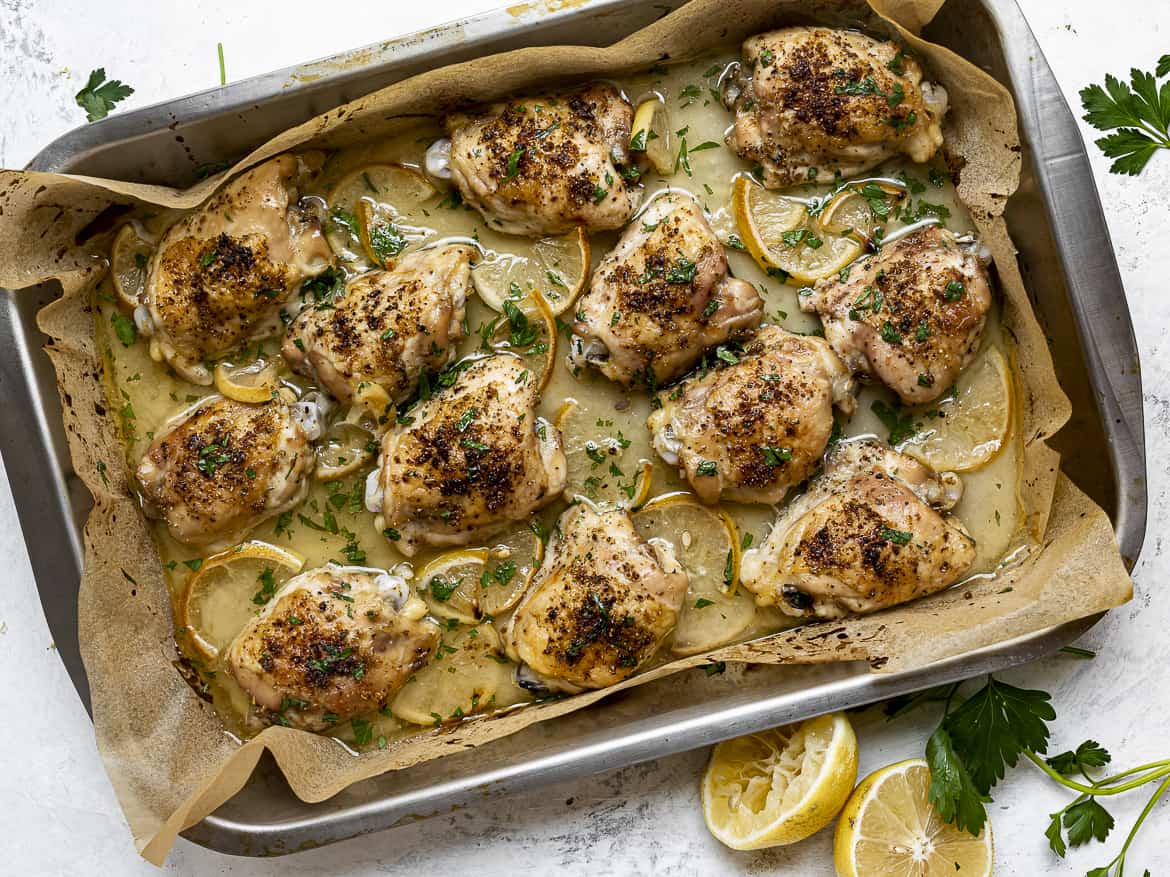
[{"x": 164, "y": 749}]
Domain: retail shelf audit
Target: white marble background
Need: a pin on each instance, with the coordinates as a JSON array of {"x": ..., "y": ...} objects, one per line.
[{"x": 59, "y": 814}]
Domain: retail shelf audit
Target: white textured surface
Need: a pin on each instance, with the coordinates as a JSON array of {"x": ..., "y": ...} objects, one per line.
[{"x": 60, "y": 816}]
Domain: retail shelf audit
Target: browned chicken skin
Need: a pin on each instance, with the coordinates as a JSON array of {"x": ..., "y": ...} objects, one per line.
[
  {"x": 911, "y": 315},
  {"x": 869, "y": 533},
  {"x": 221, "y": 274},
  {"x": 542, "y": 164},
  {"x": 219, "y": 469},
  {"x": 333, "y": 643},
  {"x": 387, "y": 327},
  {"x": 749, "y": 431},
  {"x": 661, "y": 298},
  {"x": 600, "y": 605},
  {"x": 810, "y": 102},
  {"x": 472, "y": 459}
]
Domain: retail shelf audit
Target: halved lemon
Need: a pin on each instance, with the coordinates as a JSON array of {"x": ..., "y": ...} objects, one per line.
[
  {"x": 557, "y": 267},
  {"x": 529, "y": 329},
  {"x": 890, "y": 827},
  {"x": 779, "y": 234},
  {"x": 650, "y": 134},
  {"x": 251, "y": 382},
  {"x": 228, "y": 589},
  {"x": 969, "y": 429},
  {"x": 600, "y": 467},
  {"x": 466, "y": 675},
  {"x": 129, "y": 260},
  {"x": 381, "y": 207},
  {"x": 706, "y": 543},
  {"x": 345, "y": 447},
  {"x": 780, "y": 786}
]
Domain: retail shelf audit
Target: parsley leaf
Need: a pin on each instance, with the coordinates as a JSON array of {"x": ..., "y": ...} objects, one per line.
[
  {"x": 995, "y": 725},
  {"x": 952, "y": 791},
  {"x": 1085, "y": 821},
  {"x": 99, "y": 95},
  {"x": 1137, "y": 113},
  {"x": 1088, "y": 754}
]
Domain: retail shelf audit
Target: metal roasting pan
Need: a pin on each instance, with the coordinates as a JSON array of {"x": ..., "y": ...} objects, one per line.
[{"x": 1068, "y": 265}]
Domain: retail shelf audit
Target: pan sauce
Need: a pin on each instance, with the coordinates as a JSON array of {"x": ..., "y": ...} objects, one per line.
[{"x": 147, "y": 393}]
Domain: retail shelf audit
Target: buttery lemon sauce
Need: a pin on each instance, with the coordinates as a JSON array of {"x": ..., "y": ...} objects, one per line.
[{"x": 333, "y": 524}]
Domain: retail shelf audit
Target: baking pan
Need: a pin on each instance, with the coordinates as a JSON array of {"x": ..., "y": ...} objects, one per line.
[{"x": 1071, "y": 276}]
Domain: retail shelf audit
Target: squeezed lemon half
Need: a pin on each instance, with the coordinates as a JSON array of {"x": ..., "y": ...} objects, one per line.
[
  {"x": 779, "y": 786},
  {"x": 889, "y": 827}
]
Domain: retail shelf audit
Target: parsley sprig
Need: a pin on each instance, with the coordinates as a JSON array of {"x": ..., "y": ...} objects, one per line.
[
  {"x": 992, "y": 730},
  {"x": 99, "y": 95},
  {"x": 1137, "y": 114}
]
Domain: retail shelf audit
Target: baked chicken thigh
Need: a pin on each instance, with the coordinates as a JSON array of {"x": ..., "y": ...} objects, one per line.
[
  {"x": 217, "y": 470},
  {"x": 386, "y": 328},
  {"x": 599, "y": 606},
  {"x": 911, "y": 315},
  {"x": 749, "y": 431},
  {"x": 472, "y": 459},
  {"x": 333, "y": 643},
  {"x": 661, "y": 298},
  {"x": 811, "y": 102},
  {"x": 221, "y": 274},
  {"x": 543, "y": 164},
  {"x": 869, "y": 533}
]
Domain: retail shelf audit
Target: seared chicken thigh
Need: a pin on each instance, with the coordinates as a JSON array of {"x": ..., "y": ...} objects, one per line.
[
  {"x": 811, "y": 102},
  {"x": 472, "y": 459},
  {"x": 661, "y": 298},
  {"x": 333, "y": 643},
  {"x": 386, "y": 328},
  {"x": 749, "y": 431},
  {"x": 600, "y": 605},
  {"x": 868, "y": 534},
  {"x": 542, "y": 164},
  {"x": 911, "y": 315},
  {"x": 220, "y": 468},
  {"x": 221, "y": 273}
]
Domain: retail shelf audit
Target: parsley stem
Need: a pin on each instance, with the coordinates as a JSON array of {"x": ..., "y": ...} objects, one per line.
[
  {"x": 1163, "y": 771},
  {"x": 1158, "y": 793}
]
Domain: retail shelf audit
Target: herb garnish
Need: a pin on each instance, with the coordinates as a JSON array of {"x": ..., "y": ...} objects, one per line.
[
  {"x": 99, "y": 95},
  {"x": 1137, "y": 114}
]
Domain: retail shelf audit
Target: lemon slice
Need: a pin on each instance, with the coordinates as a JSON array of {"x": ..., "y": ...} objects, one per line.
[
  {"x": 600, "y": 467},
  {"x": 129, "y": 261},
  {"x": 467, "y": 674},
  {"x": 707, "y": 545},
  {"x": 344, "y": 448},
  {"x": 380, "y": 207},
  {"x": 556, "y": 266},
  {"x": 890, "y": 827},
  {"x": 228, "y": 589},
  {"x": 971, "y": 428},
  {"x": 449, "y": 583},
  {"x": 253, "y": 382},
  {"x": 782, "y": 785},
  {"x": 650, "y": 134},
  {"x": 529, "y": 329},
  {"x": 850, "y": 211},
  {"x": 511, "y": 564},
  {"x": 779, "y": 234}
]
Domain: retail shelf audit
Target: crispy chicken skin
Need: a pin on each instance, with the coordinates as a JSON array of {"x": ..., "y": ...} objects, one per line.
[
  {"x": 661, "y": 298},
  {"x": 542, "y": 164},
  {"x": 333, "y": 643},
  {"x": 911, "y": 315},
  {"x": 387, "y": 327},
  {"x": 810, "y": 102},
  {"x": 600, "y": 604},
  {"x": 868, "y": 534},
  {"x": 473, "y": 459},
  {"x": 749, "y": 431},
  {"x": 221, "y": 274},
  {"x": 217, "y": 470}
]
